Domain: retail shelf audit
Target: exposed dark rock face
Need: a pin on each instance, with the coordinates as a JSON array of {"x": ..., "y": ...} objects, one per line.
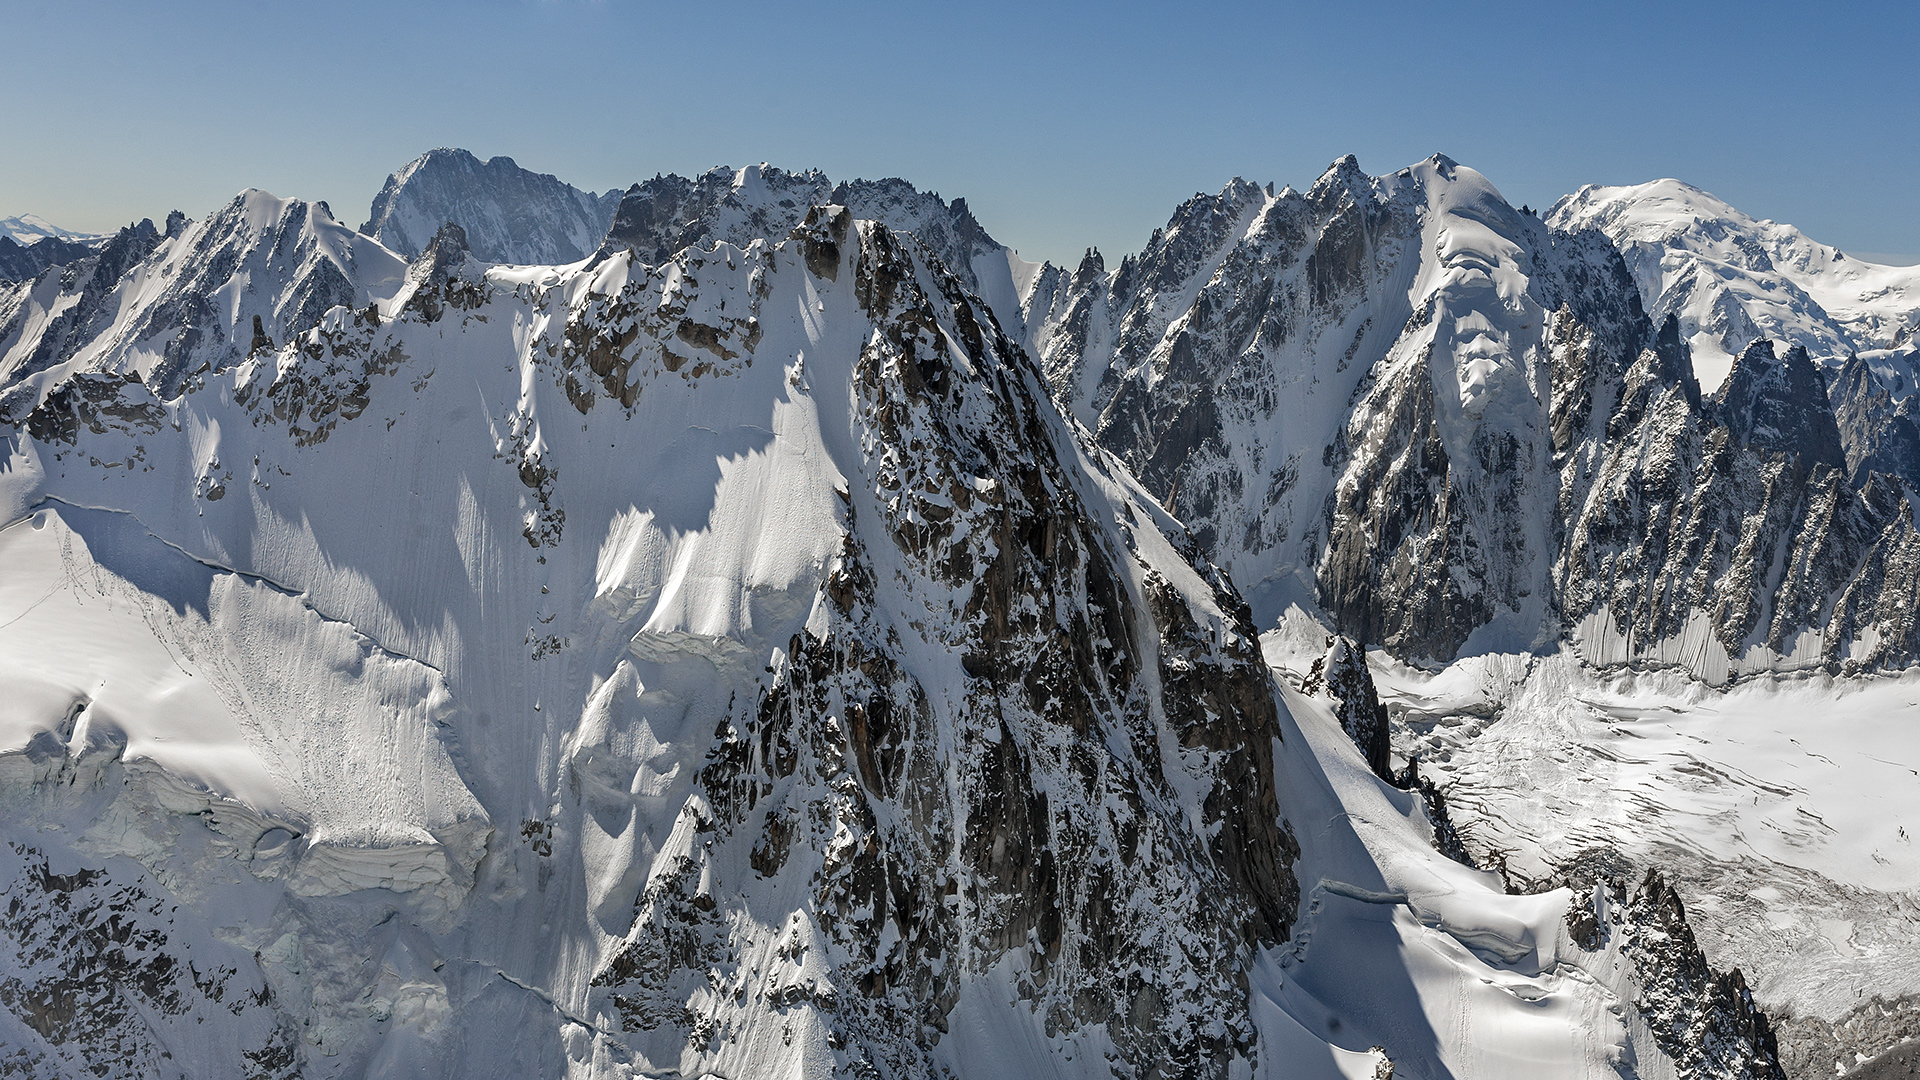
[
  {"x": 1343, "y": 675},
  {"x": 509, "y": 214},
  {"x": 1887, "y": 1032},
  {"x": 1738, "y": 511},
  {"x": 942, "y": 836},
  {"x": 102, "y": 980},
  {"x": 1880, "y": 434},
  {"x": 1705, "y": 1020},
  {"x": 669, "y": 214},
  {"x": 1024, "y": 738},
  {"x": 23, "y": 262},
  {"x": 1504, "y": 453},
  {"x": 1779, "y": 404},
  {"x": 1901, "y": 1061}
]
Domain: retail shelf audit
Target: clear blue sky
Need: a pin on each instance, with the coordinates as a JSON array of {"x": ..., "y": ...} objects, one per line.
[{"x": 1064, "y": 125}]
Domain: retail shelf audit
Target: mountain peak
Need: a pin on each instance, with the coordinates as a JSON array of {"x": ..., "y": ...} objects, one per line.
[
  {"x": 510, "y": 214},
  {"x": 1779, "y": 403},
  {"x": 1343, "y": 177}
]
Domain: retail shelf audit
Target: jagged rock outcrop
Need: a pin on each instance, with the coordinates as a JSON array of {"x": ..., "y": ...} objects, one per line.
[
  {"x": 1450, "y": 428},
  {"x": 1876, "y": 424},
  {"x": 670, "y": 213},
  {"x": 509, "y": 214},
  {"x": 1870, "y": 1033},
  {"x": 1726, "y": 534},
  {"x": 34, "y": 336},
  {"x": 1346, "y": 393},
  {"x": 1704, "y": 1020},
  {"x": 99, "y": 975},
  {"x": 1342, "y": 674}
]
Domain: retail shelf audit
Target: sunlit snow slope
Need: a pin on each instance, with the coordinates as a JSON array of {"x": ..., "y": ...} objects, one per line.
[{"x": 732, "y": 666}]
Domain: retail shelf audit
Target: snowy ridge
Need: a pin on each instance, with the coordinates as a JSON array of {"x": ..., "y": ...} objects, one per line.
[
  {"x": 670, "y": 213},
  {"x": 1405, "y": 951},
  {"x": 200, "y": 296}
]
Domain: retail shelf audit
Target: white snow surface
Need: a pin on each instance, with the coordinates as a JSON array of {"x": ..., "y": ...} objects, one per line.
[
  {"x": 1781, "y": 806},
  {"x": 1732, "y": 279}
]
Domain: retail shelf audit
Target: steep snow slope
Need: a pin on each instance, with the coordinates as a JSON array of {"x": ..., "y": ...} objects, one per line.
[
  {"x": 1444, "y": 973},
  {"x": 1732, "y": 279},
  {"x": 729, "y": 666},
  {"x": 510, "y": 214},
  {"x": 164, "y": 306}
]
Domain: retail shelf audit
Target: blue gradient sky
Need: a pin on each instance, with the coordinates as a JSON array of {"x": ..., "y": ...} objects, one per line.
[{"x": 1063, "y": 125}]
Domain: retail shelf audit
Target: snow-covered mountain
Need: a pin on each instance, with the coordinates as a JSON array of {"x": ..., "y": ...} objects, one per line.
[
  {"x": 714, "y": 653},
  {"x": 857, "y": 678},
  {"x": 1732, "y": 279},
  {"x": 731, "y": 665},
  {"x": 510, "y": 214},
  {"x": 166, "y": 305},
  {"x": 1401, "y": 407},
  {"x": 31, "y": 228},
  {"x": 1348, "y": 393},
  {"x": 1454, "y": 429}
]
